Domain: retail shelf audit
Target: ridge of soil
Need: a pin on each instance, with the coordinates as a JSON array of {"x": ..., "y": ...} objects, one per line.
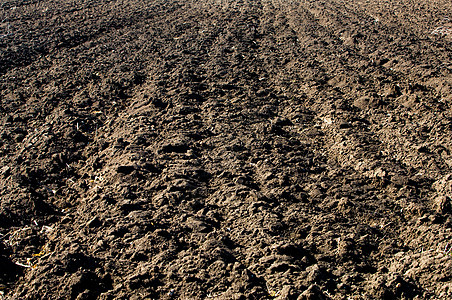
[{"x": 225, "y": 149}]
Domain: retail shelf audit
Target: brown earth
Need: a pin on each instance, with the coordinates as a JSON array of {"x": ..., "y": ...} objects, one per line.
[{"x": 226, "y": 149}]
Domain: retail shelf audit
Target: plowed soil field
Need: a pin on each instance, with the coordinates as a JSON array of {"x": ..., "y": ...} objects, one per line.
[{"x": 226, "y": 149}]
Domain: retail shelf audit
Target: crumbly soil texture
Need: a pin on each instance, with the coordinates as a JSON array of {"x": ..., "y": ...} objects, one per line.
[{"x": 225, "y": 149}]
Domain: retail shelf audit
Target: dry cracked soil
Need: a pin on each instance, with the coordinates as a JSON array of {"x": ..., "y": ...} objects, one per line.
[{"x": 225, "y": 149}]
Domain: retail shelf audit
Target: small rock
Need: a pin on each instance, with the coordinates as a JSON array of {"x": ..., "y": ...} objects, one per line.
[
  {"x": 197, "y": 225},
  {"x": 380, "y": 173},
  {"x": 180, "y": 185},
  {"x": 5, "y": 170},
  {"x": 278, "y": 266},
  {"x": 291, "y": 250},
  {"x": 391, "y": 91},
  {"x": 312, "y": 293},
  {"x": 314, "y": 273},
  {"x": 423, "y": 219},
  {"x": 408, "y": 101},
  {"x": 343, "y": 287},
  {"x": 100, "y": 243},
  {"x": 366, "y": 102},
  {"x": 285, "y": 293},
  {"x": 400, "y": 180},
  {"x": 442, "y": 204},
  {"x": 94, "y": 222}
]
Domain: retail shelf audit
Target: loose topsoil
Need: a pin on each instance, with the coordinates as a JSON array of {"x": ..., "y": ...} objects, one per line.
[{"x": 225, "y": 149}]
